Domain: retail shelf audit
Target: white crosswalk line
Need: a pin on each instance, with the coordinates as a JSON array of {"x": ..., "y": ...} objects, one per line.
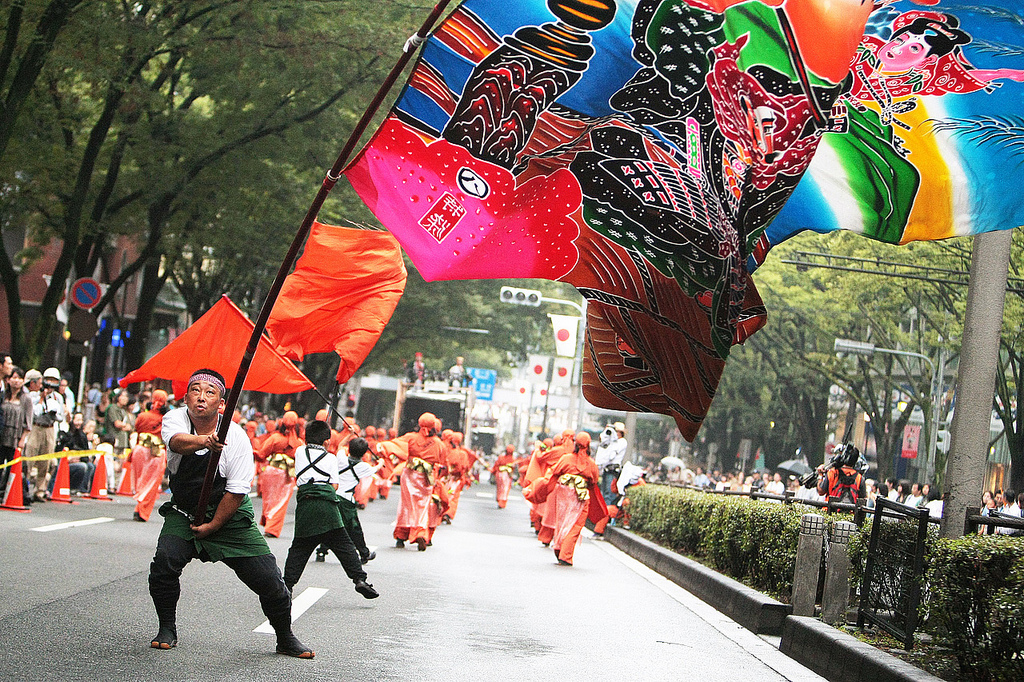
[
  {"x": 71, "y": 524},
  {"x": 300, "y": 605}
]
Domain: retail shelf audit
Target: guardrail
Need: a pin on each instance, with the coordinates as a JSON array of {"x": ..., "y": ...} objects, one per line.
[{"x": 974, "y": 521}]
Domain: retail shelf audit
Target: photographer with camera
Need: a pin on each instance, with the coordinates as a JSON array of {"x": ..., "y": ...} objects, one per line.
[
  {"x": 47, "y": 410},
  {"x": 840, "y": 479},
  {"x": 610, "y": 454}
]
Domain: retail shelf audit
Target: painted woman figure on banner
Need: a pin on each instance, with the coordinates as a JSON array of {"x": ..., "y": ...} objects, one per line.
[{"x": 922, "y": 56}]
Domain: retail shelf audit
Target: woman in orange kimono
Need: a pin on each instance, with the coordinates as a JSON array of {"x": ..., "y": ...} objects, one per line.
[
  {"x": 417, "y": 485},
  {"x": 439, "y": 497},
  {"x": 459, "y": 463},
  {"x": 502, "y": 472},
  {"x": 545, "y": 459},
  {"x": 277, "y": 480},
  {"x": 571, "y": 483},
  {"x": 148, "y": 458}
]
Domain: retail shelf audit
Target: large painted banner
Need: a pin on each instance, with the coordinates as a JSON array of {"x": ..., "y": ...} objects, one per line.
[{"x": 639, "y": 150}]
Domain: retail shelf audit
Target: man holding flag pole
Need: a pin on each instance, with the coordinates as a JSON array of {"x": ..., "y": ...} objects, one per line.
[{"x": 227, "y": 530}]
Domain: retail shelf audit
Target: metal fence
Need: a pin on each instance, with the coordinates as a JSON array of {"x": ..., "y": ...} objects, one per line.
[{"x": 894, "y": 570}]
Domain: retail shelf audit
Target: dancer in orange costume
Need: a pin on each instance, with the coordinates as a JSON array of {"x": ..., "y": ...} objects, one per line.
[
  {"x": 439, "y": 497},
  {"x": 502, "y": 472},
  {"x": 459, "y": 462},
  {"x": 277, "y": 480},
  {"x": 250, "y": 430},
  {"x": 148, "y": 457},
  {"x": 269, "y": 429},
  {"x": 572, "y": 482},
  {"x": 417, "y": 484},
  {"x": 539, "y": 465},
  {"x": 371, "y": 484}
]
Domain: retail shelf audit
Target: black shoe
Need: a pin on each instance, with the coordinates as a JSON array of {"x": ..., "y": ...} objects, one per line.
[
  {"x": 399, "y": 544},
  {"x": 166, "y": 638},
  {"x": 137, "y": 517},
  {"x": 369, "y": 557},
  {"x": 289, "y": 645},
  {"x": 321, "y": 557},
  {"x": 366, "y": 589}
]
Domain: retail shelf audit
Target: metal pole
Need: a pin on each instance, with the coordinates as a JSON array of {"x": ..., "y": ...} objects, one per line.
[
  {"x": 979, "y": 355},
  {"x": 577, "y": 386}
]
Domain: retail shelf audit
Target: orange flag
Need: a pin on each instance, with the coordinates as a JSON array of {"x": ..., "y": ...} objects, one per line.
[
  {"x": 340, "y": 296},
  {"x": 217, "y": 341}
]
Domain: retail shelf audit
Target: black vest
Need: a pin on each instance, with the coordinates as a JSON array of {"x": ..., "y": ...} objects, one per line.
[{"x": 187, "y": 482}]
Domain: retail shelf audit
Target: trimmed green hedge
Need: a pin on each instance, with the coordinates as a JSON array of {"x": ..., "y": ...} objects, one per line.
[
  {"x": 973, "y": 599},
  {"x": 746, "y": 539},
  {"x": 977, "y": 604}
]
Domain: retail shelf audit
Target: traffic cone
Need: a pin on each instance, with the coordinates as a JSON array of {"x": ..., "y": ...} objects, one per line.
[
  {"x": 127, "y": 484},
  {"x": 13, "y": 498},
  {"x": 62, "y": 483},
  {"x": 99, "y": 481}
]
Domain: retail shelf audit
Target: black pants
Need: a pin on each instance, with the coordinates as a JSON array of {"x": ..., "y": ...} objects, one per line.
[
  {"x": 337, "y": 540},
  {"x": 259, "y": 573},
  {"x": 350, "y": 517}
]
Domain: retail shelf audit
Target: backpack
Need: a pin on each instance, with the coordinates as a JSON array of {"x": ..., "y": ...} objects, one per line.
[{"x": 845, "y": 486}]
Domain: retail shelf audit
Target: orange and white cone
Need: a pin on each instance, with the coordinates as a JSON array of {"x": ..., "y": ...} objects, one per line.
[
  {"x": 127, "y": 485},
  {"x": 62, "y": 483},
  {"x": 99, "y": 481},
  {"x": 13, "y": 498}
]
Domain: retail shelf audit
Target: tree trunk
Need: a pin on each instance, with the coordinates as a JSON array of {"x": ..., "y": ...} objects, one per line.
[{"x": 135, "y": 346}]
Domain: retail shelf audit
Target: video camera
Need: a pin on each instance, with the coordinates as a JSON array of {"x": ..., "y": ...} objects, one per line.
[{"x": 844, "y": 454}]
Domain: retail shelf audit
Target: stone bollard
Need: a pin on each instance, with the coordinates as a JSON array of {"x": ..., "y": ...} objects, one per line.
[
  {"x": 808, "y": 564},
  {"x": 836, "y": 597}
]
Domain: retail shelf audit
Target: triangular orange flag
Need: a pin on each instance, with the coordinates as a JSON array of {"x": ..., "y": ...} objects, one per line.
[{"x": 217, "y": 341}]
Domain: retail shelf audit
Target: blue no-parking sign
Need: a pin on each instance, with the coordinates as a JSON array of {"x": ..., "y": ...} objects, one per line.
[{"x": 86, "y": 292}]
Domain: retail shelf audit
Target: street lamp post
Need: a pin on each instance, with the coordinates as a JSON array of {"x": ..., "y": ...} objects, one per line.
[
  {"x": 869, "y": 349},
  {"x": 534, "y": 298}
]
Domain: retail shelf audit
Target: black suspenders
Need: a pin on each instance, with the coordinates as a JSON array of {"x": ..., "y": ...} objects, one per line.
[{"x": 313, "y": 464}]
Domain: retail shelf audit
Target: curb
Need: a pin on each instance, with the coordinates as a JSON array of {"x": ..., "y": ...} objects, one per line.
[
  {"x": 835, "y": 655},
  {"x": 840, "y": 657},
  {"x": 756, "y": 612}
]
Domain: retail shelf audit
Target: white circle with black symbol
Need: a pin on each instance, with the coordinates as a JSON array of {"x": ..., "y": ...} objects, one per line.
[{"x": 472, "y": 184}]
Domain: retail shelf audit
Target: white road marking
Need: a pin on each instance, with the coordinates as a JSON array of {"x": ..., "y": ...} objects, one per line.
[
  {"x": 490, "y": 495},
  {"x": 300, "y": 605},
  {"x": 71, "y": 524}
]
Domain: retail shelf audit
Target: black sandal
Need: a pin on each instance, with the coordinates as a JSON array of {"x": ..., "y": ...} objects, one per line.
[{"x": 166, "y": 638}]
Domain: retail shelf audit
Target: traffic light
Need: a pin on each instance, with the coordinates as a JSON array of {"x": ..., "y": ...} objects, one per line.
[{"x": 520, "y": 296}]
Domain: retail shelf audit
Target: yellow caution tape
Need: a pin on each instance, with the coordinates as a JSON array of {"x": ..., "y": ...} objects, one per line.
[{"x": 55, "y": 455}]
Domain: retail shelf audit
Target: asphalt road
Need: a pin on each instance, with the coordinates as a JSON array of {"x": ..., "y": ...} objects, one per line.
[{"x": 485, "y": 602}]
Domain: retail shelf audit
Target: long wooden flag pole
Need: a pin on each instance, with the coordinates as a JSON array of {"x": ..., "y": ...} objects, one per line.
[{"x": 333, "y": 175}]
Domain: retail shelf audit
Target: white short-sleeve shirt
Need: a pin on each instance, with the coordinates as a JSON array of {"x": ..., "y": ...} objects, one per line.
[
  {"x": 236, "y": 461},
  {"x": 328, "y": 465},
  {"x": 350, "y": 477}
]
